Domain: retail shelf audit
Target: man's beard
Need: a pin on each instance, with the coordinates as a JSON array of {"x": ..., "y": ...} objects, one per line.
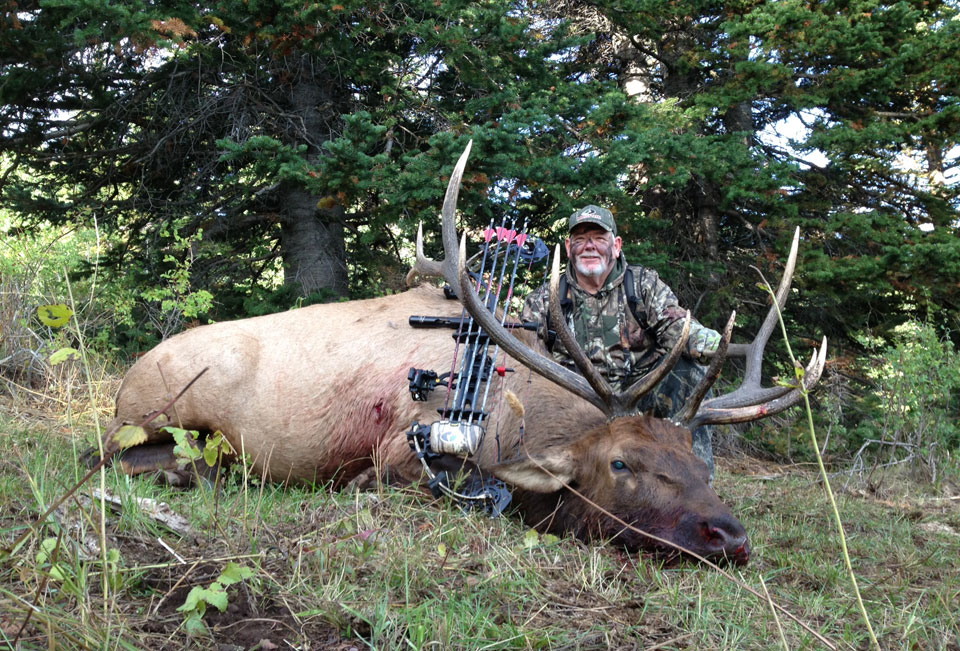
[{"x": 595, "y": 271}]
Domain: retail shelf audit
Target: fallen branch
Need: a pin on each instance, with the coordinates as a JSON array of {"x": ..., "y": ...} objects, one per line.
[{"x": 159, "y": 511}]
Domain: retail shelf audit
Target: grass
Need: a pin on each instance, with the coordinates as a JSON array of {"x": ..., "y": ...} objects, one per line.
[{"x": 393, "y": 569}]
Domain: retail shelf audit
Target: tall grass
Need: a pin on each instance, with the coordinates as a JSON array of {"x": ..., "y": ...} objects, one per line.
[{"x": 801, "y": 386}]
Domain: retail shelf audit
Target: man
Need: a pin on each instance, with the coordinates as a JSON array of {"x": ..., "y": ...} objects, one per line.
[{"x": 624, "y": 342}]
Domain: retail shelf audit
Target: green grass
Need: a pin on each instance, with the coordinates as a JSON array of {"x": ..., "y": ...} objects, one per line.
[{"x": 393, "y": 569}]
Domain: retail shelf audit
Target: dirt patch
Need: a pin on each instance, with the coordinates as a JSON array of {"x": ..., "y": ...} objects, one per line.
[{"x": 249, "y": 622}]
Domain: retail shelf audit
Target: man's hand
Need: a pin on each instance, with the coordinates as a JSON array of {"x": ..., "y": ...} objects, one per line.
[{"x": 704, "y": 341}]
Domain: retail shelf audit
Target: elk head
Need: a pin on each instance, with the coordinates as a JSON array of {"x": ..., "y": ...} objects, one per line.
[{"x": 636, "y": 471}]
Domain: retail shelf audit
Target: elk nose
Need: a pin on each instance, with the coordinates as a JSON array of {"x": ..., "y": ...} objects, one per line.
[{"x": 727, "y": 538}]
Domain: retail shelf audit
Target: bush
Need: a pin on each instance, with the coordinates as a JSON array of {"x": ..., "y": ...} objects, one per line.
[
  {"x": 31, "y": 275},
  {"x": 898, "y": 405},
  {"x": 22, "y": 350},
  {"x": 918, "y": 392}
]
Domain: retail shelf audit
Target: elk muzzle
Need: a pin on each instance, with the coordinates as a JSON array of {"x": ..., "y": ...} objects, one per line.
[{"x": 720, "y": 539}]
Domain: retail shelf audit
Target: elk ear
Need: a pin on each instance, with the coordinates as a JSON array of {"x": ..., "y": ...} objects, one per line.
[{"x": 544, "y": 473}]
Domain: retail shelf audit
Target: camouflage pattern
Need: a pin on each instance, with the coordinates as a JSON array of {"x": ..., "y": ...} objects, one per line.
[
  {"x": 623, "y": 349},
  {"x": 593, "y": 215}
]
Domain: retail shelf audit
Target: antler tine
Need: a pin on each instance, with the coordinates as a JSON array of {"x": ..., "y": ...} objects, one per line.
[
  {"x": 754, "y": 354},
  {"x": 424, "y": 266},
  {"x": 751, "y": 400},
  {"x": 589, "y": 371},
  {"x": 751, "y": 391},
  {"x": 632, "y": 394},
  {"x": 712, "y": 414},
  {"x": 449, "y": 214},
  {"x": 750, "y": 351},
  {"x": 624, "y": 402},
  {"x": 559, "y": 375},
  {"x": 713, "y": 372}
]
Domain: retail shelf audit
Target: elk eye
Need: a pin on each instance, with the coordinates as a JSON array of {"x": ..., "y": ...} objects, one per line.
[{"x": 618, "y": 465}]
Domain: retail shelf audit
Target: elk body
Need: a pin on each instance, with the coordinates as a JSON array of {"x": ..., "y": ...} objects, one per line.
[{"x": 320, "y": 394}]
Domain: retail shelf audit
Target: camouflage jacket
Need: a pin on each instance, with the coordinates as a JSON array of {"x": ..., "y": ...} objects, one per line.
[{"x": 621, "y": 348}]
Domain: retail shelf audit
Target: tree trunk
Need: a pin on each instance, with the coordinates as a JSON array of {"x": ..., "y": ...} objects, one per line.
[
  {"x": 311, "y": 239},
  {"x": 709, "y": 234},
  {"x": 739, "y": 119},
  {"x": 682, "y": 81},
  {"x": 314, "y": 255}
]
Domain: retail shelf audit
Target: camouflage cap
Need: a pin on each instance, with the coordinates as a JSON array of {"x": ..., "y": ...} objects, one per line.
[{"x": 593, "y": 215}]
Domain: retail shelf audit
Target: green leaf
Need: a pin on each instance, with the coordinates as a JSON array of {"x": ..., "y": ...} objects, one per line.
[
  {"x": 219, "y": 439},
  {"x": 54, "y": 316},
  {"x": 531, "y": 539},
  {"x": 234, "y": 573},
  {"x": 183, "y": 448},
  {"x": 129, "y": 436},
  {"x": 194, "y": 625},
  {"x": 180, "y": 434},
  {"x": 210, "y": 454},
  {"x": 47, "y": 545},
  {"x": 199, "y": 597},
  {"x": 216, "y": 596},
  {"x": 215, "y": 447},
  {"x": 63, "y": 355},
  {"x": 56, "y": 572},
  {"x": 113, "y": 567},
  {"x": 193, "y": 600}
]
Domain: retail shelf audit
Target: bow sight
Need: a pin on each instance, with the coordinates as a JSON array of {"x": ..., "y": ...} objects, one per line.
[{"x": 459, "y": 433}]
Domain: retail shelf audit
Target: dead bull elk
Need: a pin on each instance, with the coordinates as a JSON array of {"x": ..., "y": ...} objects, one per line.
[{"x": 320, "y": 393}]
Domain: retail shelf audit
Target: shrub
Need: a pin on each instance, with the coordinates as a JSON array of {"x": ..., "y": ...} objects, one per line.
[
  {"x": 897, "y": 405},
  {"x": 31, "y": 275},
  {"x": 918, "y": 389}
]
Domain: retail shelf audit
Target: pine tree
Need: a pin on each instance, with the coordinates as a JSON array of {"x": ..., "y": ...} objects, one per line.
[
  {"x": 871, "y": 175},
  {"x": 315, "y": 134}
]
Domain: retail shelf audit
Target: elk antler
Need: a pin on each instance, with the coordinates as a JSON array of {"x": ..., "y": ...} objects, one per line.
[
  {"x": 425, "y": 266},
  {"x": 454, "y": 272},
  {"x": 752, "y": 401},
  {"x": 713, "y": 372},
  {"x": 448, "y": 266},
  {"x": 556, "y": 373}
]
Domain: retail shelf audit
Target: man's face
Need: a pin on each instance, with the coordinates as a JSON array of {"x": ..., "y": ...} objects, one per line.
[{"x": 592, "y": 250}]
